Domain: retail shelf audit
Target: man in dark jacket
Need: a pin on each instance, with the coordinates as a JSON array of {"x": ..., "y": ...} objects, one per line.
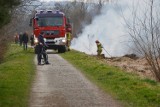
[
  {"x": 25, "y": 40},
  {"x": 32, "y": 39},
  {"x": 41, "y": 49},
  {"x": 20, "y": 38}
]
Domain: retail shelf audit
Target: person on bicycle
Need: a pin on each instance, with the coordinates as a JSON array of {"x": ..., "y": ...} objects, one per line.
[{"x": 41, "y": 49}]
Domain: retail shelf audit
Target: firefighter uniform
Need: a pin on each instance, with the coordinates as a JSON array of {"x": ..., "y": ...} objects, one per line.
[
  {"x": 68, "y": 40},
  {"x": 99, "y": 48}
]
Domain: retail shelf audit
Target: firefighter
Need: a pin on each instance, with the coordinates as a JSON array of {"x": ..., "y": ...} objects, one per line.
[
  {"x": 41, "y": 49},
  {"x": 68, "y": 40},
  {"x": 99, "y": 47}
]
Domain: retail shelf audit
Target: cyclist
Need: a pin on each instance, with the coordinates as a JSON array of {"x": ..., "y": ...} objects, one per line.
[{"x": 41, "y": 49}]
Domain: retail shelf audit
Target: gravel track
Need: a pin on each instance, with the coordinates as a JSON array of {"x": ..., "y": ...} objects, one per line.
[{"x": 62, "y": 85}]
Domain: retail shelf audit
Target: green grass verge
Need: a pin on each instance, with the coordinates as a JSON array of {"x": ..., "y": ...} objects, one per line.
[
  {"x": 16, "y": 74},
  {"x": 128, "y": 88}
]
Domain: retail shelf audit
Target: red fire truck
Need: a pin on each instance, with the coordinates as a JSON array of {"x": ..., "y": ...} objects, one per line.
[{"x": 55, "y": 26}]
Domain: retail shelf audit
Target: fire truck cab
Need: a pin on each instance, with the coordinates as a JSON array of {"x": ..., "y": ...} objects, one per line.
[{"x": 55, "y": 26}]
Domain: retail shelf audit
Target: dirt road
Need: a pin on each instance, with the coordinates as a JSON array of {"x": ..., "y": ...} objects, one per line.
[{"x": 61, "y": 85}]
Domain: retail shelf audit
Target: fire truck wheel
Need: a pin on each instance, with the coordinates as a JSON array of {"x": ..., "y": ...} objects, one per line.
[{"x": 62, "y": 49}]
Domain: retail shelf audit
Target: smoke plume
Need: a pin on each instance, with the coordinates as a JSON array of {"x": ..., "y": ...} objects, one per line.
[{"x": 110, "y": 29}]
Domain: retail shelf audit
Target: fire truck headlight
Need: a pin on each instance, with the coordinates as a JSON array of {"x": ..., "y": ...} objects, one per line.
[
  {"x": 36, "y": 40},
  {"x": 45, "y": 39},
  {"x": 63, "y": 40}
]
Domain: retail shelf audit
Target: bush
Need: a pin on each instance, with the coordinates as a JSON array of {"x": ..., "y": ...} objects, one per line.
[{"x": 3, "y": 49}]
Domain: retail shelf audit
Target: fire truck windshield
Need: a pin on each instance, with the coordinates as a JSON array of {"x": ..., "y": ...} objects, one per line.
[{"x": 50, "y": 21}]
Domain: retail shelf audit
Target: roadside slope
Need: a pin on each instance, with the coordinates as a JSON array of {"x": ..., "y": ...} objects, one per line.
[{"x": 16, "y": 74}]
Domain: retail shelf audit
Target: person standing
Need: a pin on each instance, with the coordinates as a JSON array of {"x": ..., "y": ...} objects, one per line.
[
  {"x": 68, "y": 40},
  {"x": 41, "y": 49},
  {"x": 20, "y": 38},
  {"x": 25, "y": 40},
  {"x": 32, "y": 39},
  {"x": 99, "y": 47},
  {"x": 16, "y": 37}
]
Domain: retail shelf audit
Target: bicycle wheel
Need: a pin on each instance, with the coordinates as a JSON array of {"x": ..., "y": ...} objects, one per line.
[{"x": 42, "y": 59}]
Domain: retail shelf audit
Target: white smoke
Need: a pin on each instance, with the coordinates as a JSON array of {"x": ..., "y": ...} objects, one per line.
[{"x": 109, "y": 28}]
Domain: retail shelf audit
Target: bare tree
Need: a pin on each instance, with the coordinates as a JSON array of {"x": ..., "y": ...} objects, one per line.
[
  {"x": 145, "y": 33},
  {"x": 19, "y": 23},
  {"x": 76, "y": 11}
]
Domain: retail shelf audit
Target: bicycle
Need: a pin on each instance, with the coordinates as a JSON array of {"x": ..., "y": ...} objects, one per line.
[{"x": 43, "y": 54}]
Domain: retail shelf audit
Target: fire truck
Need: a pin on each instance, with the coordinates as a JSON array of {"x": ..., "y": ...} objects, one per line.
[{"x": 55, "y": 25}]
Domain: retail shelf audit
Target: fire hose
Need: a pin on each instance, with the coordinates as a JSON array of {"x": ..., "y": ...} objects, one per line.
[{"x": 106, "y": 51}]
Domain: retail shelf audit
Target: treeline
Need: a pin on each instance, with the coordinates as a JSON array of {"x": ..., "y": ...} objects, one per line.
[
  {"x": 6, "y": 8},
  {"x": 144, "y": 31}
]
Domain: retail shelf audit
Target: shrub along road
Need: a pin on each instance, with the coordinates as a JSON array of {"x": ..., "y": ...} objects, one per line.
[{"x": 62, "y": 85}]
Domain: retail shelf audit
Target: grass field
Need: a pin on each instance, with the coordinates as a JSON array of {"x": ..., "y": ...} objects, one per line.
[
  {"x": 16, "y": 74},
  {"x": 129, "y": 89}
]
